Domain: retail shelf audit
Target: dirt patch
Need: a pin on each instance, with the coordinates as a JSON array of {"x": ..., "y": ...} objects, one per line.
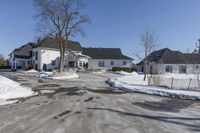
[
  {"x": 89, "y": 99},
  {"x": 25, "y": 84},
  {"x": 42, "y": 81},
  {"x": 62, "y": 114},
  {"x": 106, "y": 91},
  {"x": 77, "y": 112},
  {"x": 48, "y": 85},
  {"x": 171, "y": 105},
  {"x": 69, "y": 91},
  {"x": 72, "y": 93}
]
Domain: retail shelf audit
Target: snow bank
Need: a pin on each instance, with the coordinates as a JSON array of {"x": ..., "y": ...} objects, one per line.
[
  {"x": 192, "y": 95},
  {"x": 29, "y": 71},
  {"x": 10, "y": 89},
  {"x": 125, "y": 73},
  {"x": 44, "y": 74},
  {"x": 133, "y": 78},
  {"x": 135, "y": 83},
  {"x": 63, "y": 76},
  {"x": 179, "y": 76}
]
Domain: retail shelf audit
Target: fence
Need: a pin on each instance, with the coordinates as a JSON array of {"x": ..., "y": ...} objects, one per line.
[{"x": 173, "y": 83}]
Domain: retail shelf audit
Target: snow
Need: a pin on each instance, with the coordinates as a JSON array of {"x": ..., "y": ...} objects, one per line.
[
  {"x": 44, "y": 74},
  {"x": 29, "y": 71},
  {"x": 10, "y": 89},
  {"x": 179, "y": 76},
  {"x": 64, "y": 75},
  {"x": 132, "y": 78},
  {"x": 135, "y": 83},
  {"x": 125, "y": 73}
]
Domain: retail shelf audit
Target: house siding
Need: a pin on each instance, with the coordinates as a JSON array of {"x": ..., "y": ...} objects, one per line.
[
  {"x": 94, "y": 63},
  {"x": 46, "y": 56},
  {"x": 160, "y": 68}
]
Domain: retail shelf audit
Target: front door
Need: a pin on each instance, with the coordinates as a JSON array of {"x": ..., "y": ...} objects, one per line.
[{"x": 71, "y": 64}]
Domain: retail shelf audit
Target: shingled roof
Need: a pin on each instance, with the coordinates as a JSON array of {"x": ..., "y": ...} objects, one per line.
[
  {"x": 51, "y": 43},
  {"x": 24, "y": 51},
  {"x": 104, "y": 53},
  {"x": 167, "y": 56}
]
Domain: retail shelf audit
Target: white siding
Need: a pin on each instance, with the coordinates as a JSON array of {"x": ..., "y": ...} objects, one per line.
[
  {"x": 94, "y": 63},
  {"x": 46, "y": 56},
  {"x": 160, "y": 68}
]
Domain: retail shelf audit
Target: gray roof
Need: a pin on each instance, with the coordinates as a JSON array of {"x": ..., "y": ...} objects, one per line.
[
  {"x": 167, "y": 56},
  {"x": 24, "y": 51},
  {"x": 104, "y": 53},
  {"x": 51, "y": 43}
]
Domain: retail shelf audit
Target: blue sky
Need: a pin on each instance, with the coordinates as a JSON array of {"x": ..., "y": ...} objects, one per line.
[{"x": 115, "y": 23}]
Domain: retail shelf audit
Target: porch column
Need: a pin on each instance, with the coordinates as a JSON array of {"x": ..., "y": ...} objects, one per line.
[
  {"x": 12, "y": 65},
  {"x": 77, "y": 63},
  {"x": 15, "y": 65}
]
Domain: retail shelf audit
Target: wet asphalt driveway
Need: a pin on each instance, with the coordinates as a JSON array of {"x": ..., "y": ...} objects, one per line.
[{"x": 89, "y": 105}]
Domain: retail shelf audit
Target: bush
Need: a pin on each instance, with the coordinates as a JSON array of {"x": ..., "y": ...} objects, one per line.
[
  {"x": 5, "y": 67},
  {"x": 125, "y": 69},
  {"x": 28, "y": 67}
]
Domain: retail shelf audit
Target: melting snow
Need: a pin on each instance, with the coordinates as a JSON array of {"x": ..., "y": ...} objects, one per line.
[{"x": 10, "y": 89}]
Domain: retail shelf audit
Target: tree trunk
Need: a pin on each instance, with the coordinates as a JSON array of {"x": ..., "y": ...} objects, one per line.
[
  {"x": 61, "y": 63},
  {"x": 145, "y": 72}
]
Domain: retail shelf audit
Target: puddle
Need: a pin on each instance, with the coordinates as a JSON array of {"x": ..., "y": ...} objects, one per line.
[{"x": 171, "y": 105}]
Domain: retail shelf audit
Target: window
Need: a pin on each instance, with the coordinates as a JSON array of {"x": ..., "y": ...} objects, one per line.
[
  {"x": 36, "y": 55},
  {"x": 53, "y": 62},
  {"x": 124, "y": 62},
  {"x": 197, "y": 67},
  {"x": 182, "y": 69},
  {"x": 101, "y": 64},
  {"x": 168, "y": 69},
  {"x": 80, "y": 64},
  {"x": 111, "y": 63}
]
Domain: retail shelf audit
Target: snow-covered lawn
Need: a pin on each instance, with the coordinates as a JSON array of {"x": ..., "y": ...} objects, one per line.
[
  {"x": 134, "y": 82},
  {"x": 10, "y": 89}
]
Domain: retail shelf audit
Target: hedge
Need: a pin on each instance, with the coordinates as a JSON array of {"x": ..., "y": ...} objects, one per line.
[
  {"x": 5, "y": 67},
  {"x": 125, "y": 69}
]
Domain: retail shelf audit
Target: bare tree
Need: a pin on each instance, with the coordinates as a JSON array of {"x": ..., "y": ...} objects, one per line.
[
  {"x": 60, "y": 19},
  {"x": 197, "y": 47},
  {"x": 149, "y": 40}
]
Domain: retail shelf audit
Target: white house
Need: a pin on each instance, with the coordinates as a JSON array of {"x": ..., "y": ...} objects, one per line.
[
  {"x": 169, "y": 61},
  {"x": 21, "y": 56},
  {"x": 44, "y": 55},
  {"x": 106, "y": 58}
]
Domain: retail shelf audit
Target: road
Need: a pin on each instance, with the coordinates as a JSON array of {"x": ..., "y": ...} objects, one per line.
[{"x": 89, "y": 105}]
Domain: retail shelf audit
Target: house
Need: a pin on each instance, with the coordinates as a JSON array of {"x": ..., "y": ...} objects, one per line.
[
  {"x": 21, "y": 56},
  {"x": 106, "y": 58},
  {"x": 169, "y": 61},
  {"x": 45, "y": 55}
]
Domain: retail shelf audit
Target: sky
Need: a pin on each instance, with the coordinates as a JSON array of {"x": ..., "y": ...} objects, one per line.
[{"x": 114, "y": 23}]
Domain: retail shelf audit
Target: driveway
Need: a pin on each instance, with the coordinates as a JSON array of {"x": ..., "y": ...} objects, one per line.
[{"x": 89, "y": 105}]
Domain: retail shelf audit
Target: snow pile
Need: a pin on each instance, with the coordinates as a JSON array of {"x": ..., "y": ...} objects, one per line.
[
  {"x": 100, "y": 71},
  {"x": 135, "y": 83},
  {"x": 10, "y": 89},
  {"x": 65, "y": 75},
  {"x": 29, "y": 71},
  {"x": 125, "y": 73},
  {"x": 44, "y": 74},
  {"x": 133, "y": 78}
]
